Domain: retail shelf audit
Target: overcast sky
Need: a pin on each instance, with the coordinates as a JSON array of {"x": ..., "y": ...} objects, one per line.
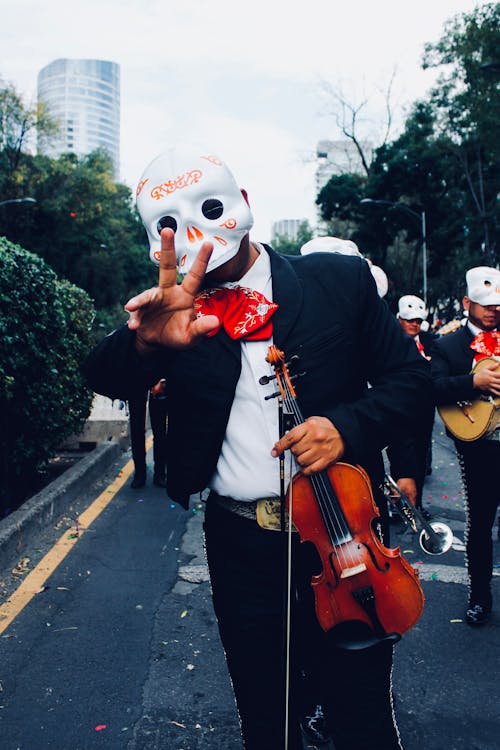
[{"x": 245, "y": 79}]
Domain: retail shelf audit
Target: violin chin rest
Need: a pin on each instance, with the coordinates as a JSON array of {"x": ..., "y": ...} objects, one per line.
[{"x": 354, "y": 635}]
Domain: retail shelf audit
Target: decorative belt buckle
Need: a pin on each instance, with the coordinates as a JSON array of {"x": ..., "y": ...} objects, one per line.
[{"x": 268, "y": 514}]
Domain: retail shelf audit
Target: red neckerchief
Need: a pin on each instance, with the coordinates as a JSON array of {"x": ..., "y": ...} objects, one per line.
[
  {"x": 420, "y": 346},
  {"x": 242, "y": 312},
  {"x": 486, "y": 344}
]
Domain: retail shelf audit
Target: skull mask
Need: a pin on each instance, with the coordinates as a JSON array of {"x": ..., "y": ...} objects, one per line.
[
  {"x": 195, "y": 194},
  {"x": 411, "y": 308}
]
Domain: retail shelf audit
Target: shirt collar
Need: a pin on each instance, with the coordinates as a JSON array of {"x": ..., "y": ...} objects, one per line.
[
  {"x": 474, "y": 329},
  {"x": 258, "y": 275}
]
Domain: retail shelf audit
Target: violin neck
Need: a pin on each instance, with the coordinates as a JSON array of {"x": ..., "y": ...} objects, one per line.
[{"x": 328, "y": 502}]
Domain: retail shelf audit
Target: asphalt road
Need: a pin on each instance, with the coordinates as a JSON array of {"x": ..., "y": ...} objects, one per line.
[{"x": 119, "y": 648}]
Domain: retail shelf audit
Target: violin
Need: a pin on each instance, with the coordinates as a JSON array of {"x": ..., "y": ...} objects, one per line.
[{"x": 365, "y": 592}]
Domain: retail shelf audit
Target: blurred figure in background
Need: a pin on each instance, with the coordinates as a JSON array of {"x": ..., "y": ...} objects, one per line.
[
  {"x": 157, "y": 401},
  {"x": 411, "y": 458}
]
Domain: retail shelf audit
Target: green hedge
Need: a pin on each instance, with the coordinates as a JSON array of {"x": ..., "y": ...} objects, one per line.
[{"x": 44, "y": 335}]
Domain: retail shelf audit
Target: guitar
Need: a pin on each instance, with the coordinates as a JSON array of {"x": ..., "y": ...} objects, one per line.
[{"x": 471, "y": 420}]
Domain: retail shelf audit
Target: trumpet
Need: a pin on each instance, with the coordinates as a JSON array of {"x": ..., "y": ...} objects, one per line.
[{"x": 435, "y": 537}]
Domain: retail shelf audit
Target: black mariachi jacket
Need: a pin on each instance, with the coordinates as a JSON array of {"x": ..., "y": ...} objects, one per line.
[
  {"x": 451, "y": 364},
  {"x": 329, "y": 315}
]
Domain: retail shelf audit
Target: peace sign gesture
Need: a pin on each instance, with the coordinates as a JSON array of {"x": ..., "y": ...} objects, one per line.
[{"x": 164, "y": 315}]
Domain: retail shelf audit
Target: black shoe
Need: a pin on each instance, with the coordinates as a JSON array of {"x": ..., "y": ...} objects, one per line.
[
  {"x": 139, "y": 480},
  {"x": 426, "y": 514},
  {"x": 314, "y": 727},
  {"x": 477, "y": 614},
  {"x": 159, "y": 480}
]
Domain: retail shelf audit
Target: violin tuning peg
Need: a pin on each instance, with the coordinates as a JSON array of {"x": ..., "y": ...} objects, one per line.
[
  {"x": 265, "y": 379},
  {"x": 272, "y": 395}
]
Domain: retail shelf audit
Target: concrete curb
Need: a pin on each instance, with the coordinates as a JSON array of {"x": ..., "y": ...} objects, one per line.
[{"x": 23, "y": 525}]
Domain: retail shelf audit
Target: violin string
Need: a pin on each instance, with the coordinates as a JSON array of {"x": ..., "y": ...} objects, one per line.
[
  {"x": 333, "y": 518},
  {"x": 288, "y": 609},
  {"x": 335, "y": 523}
]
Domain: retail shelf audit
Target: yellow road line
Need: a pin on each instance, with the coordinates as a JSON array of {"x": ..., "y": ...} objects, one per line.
[{"x": 36, "y": 579}]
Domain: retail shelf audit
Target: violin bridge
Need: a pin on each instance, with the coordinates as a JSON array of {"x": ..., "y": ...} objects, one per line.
[{"x": 348, "y": 572}]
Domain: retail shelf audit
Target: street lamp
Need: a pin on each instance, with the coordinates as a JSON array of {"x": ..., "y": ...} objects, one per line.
[
  {"x": 421, "y": 219},
  {"x": 17, "y": 200}
]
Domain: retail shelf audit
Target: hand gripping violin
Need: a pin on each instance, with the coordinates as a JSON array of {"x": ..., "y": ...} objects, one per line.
[{"x": 365, "y": 592}]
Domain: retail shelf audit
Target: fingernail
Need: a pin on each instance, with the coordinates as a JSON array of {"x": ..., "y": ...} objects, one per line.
[{"x": 274, "y": 452}]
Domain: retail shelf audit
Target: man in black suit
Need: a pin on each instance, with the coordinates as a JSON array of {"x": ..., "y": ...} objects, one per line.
[
  {"x": 155, "y": 398},
  {"x": 453, "y": 358},
  {"x": 410, "y": 457},
  {"x": 224, "y": 433}
]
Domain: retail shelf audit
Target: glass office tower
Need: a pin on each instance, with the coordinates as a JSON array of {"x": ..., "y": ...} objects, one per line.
[{"x": 84, "y": 96}]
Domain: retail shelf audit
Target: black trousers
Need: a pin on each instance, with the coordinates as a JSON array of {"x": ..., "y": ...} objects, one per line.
[
  {"x": 479, "y": 461},
  {"x": 158, "y": 419},
  {"x": 247, "y": 569}
]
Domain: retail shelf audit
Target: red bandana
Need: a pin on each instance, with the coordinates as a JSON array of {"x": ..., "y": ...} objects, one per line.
[
  {"x": 242, "y": 312},
  {"x": 486, "y": 344}
]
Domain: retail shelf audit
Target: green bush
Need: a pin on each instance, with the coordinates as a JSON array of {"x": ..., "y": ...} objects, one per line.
[{"x": 44, "y": 335}]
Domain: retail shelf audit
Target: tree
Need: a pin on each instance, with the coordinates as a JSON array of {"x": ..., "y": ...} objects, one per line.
[
  {"x": 45, "y": 327},
  {"x": 445, "y": 163},
  {"x": 339, "y": 200},
  {"x": 351, "y": 120},
  {"x": 18, "y": 122},
  {"x": 83, "y": 224},
  {"x": 467, "y": 105}
]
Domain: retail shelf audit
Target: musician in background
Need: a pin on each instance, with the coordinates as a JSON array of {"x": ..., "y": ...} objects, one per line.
[
  {"x": 155, "y": 398},
  {"x": 453, "y": 358},
  {"x": 224, "y": 433},
  {"x": 410, "y": 458}
]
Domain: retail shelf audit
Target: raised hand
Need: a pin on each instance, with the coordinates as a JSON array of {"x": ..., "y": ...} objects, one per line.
[{"x": 164, "y": 315}]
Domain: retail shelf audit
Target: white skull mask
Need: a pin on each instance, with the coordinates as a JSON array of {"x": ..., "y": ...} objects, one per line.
[
  {"x": 196, "y": 195},
  {"x": 411, "y": 308}
]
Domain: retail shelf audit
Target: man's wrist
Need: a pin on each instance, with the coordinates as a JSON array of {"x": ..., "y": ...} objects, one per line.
[{"x": 144, "y": 348}]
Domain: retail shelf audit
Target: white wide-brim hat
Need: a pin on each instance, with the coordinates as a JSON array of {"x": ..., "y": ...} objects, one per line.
[{"x": 330, "y": 245}]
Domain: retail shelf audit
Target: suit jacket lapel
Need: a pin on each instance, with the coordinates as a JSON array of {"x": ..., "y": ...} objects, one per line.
[{"x": 288, "y": 293}]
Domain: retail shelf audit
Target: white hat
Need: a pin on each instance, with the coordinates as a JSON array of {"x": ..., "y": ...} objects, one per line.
[
  {"x": 381, "y": 279},
  {"x": 346, "y": 247},
  {"x": 483, "y": 285},
  {"x": 411, "y": 307},
  {"x": 330, "y": 245}
]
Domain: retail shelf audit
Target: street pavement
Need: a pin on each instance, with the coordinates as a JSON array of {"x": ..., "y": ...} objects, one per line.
[{"x": 120, "y": 648}]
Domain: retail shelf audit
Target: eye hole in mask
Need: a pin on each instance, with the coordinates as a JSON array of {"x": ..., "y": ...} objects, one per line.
[
  {"x": 166, "y": 222},
  {"x": 212, "y": 208}
]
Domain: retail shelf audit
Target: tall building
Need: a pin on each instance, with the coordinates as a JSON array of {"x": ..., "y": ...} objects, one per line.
[
  {"x": 336, "y": 158},
  {"x": 287, "y": 228},
  {"x": 84, "y": 95}
]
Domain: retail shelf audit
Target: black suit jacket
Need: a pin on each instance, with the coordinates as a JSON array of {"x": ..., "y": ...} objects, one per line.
[
  {"x": 329, "y": 315},
  {"x": 451, "y": 364}
]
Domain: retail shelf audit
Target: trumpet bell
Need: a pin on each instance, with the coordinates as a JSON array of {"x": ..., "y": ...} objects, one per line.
[{"x": 439, "y": 542}]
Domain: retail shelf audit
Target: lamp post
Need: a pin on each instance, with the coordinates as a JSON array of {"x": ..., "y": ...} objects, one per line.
[
  {"x": 421, "y": 219},
  {"x": 17, "y": 200}
]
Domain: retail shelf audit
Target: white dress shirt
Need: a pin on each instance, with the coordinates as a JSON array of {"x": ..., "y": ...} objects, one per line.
[{"x": 246, "y": 470}]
